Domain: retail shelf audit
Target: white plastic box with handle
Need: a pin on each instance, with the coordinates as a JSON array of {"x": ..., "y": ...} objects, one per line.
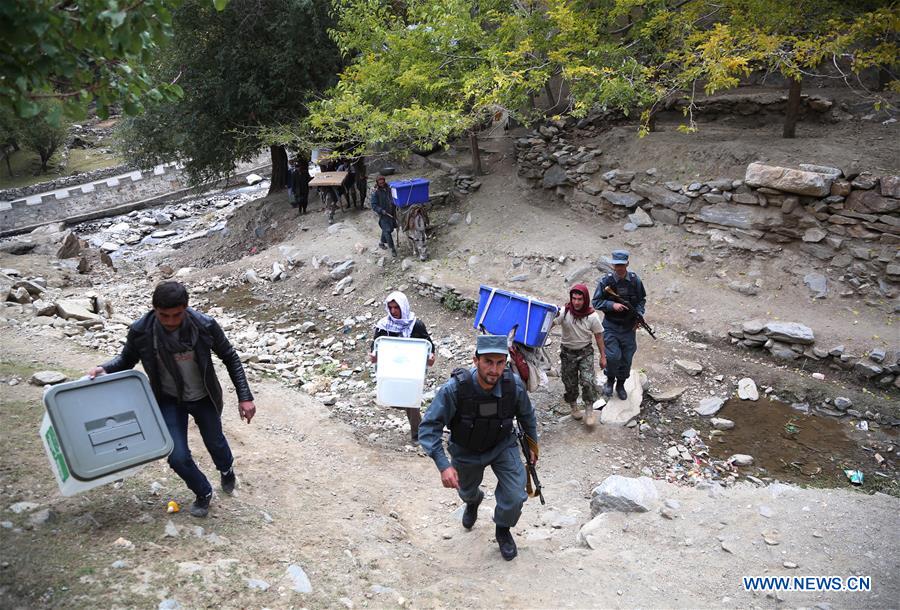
[{"x": 400, "y": 371}]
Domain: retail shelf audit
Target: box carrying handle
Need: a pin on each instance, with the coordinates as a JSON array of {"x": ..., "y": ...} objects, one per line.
[
  {"x": 527, "y": 320},
  {"x": 487, "y": 306}
]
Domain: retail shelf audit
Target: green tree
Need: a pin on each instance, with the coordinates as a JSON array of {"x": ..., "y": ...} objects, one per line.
[
  {"x": 426, "y": 71},
  {"x": 255, "y": 64},
  {"x": 82, "y": 52},
  {"x": 46, "y": 132},
  {"x": 9, "y": 135},
  {"x": 640, "y": 53}
]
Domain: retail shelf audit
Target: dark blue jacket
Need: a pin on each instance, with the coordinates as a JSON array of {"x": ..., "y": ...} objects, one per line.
[{"x": 631, "y": 289}]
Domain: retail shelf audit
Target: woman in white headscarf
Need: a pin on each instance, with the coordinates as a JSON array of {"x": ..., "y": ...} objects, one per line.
[{"x": 401, "y": 322}]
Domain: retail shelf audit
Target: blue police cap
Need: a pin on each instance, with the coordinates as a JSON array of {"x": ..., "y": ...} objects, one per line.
[
  {"x": 619, "y": 257},
  {"x": 491, "y": 344}
]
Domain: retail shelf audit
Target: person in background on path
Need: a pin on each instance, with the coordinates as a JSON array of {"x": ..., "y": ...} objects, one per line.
[
  {"x": 360, "y": 180},
  {"x": 383, "y": 204},
  {"x": 401, "y": 322},
  {"x": 478, "y": 405},
  {"x": 580, "y": 324},
  {"x": 298, "y": 184},
  {"x": 174, "y": 343},
  {"x": 620, "y": 321}
]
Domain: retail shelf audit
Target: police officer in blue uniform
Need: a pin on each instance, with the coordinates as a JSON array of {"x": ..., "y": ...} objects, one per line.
[
  {"x": 619, "y": 321},
  {"x": 478, "y": 405}
]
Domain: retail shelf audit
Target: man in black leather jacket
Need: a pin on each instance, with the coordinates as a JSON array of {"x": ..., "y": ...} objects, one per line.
[{"x": 174, "y": 343}]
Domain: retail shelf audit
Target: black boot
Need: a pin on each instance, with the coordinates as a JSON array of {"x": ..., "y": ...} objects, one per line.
[
  {"x": 200, "y": 507},
  {"x": 507, "y": 543},
  {"x": 620, "y": 389},
  {"x": 229, "y": 481},
  {"x": 608, "y": 388},
  {"x": 471, "y": 514}
]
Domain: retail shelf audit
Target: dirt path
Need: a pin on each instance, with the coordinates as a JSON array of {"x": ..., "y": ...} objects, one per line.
[{"x": 371, "y": 528}]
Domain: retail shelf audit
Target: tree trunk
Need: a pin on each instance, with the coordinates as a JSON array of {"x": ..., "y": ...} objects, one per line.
[
  {"x": 884, "y": 77},
  {"x": 476, "y": 154},
  {"x": 549, "y": 91},
  {"x": 279, "y": 168},
  {"x": 793, "y": 109},
  {"x": 8, "y": 166}
]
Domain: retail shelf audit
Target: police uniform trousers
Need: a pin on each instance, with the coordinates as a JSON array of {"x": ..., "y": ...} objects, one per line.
[
  {"x": 621, "y": 344},
  {"x": 506, "y": 462}
]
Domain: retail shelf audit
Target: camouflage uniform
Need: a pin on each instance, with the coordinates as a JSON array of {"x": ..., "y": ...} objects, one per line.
[{"x": 578, "y": 370}]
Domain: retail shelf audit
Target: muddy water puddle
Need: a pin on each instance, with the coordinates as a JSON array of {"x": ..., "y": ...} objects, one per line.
[{"x": 793, "y": 446}]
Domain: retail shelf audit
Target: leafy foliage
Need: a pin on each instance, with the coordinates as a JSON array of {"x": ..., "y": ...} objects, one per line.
[
  {"x": 45, "y": 133},
  {"x": 82, "y": 52},
  {"x": 255, "y": 64}
]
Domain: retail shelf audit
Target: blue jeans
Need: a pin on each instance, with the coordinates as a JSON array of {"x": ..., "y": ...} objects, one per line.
[
  {"x": 387, "y": 228},
  {"x": 506, "y": 462},
  {"x": 208, "y": 420},
  {"x": 621, "y": 344}
]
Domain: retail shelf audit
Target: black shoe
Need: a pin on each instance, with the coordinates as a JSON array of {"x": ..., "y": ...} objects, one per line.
[
  {"x": 608, "y": 388},
  {"x": 229, "y": 481},
  {"x": 506, "y": 543},
  {"x": 200, "y": 507},
  {"x": 620, "y": 390},
  {"x": 471, "y": 514}
]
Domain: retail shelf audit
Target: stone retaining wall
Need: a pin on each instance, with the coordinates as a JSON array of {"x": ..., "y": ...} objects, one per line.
[
  {"x": 448, "y": 296},
  {"x": 850, "y": 221}
]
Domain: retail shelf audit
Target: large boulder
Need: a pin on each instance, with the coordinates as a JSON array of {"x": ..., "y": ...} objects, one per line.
[
  {"x": 789, "y": 180},
  {"x": 709, "y": 406},
  {"x": 742, "y": 216},
  {"x": 76, "y": 309},
  {"x": 660, "y": 195},
  {"x": 790, "y": 332},
  {"x": 620, "y": 412},
  {"x": 624, "y": 494},
  {"x": 71, "y": 246}
]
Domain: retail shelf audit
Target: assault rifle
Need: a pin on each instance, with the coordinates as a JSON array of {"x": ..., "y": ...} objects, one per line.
[
  {"x": 641, "y": 322},
  {"x": 529, "y": 446}
]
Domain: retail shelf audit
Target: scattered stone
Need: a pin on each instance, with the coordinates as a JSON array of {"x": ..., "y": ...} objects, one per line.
[
  {"x": 720, "y": 423},
  {"x": 741, "y": 459},
  {"x": 342, "y": 270},
  {"x": 23, "y": 507},
  {"x": 299, "y": 579},
  {"x": 455, "y": 218},
  {"x": 766, "y": 512},
  {"x": 253, "y": 179},
  {"x": 817, "y": 284},
  {"x": 171, "y": 530},
  {"x": 256, "y": 584},
  {"x": 667, "y": 394},
  {"x": 842, "y": 403},
  {"x": 747, "y": 389},
  {"x": 624, "y": 494},
  {"x": 169, "y": 604},
  {"x": 709, "y": 406},
  {"x": 688, "y": 366},
  {"x": 42, "y": 378}
]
